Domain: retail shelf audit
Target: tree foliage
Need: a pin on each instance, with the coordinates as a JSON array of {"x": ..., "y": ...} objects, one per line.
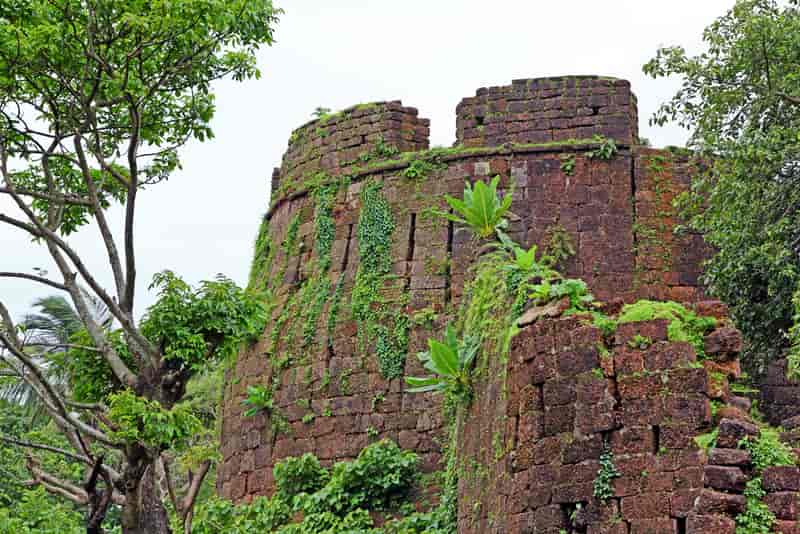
[
  {"x": 741, "y": 99},
  {"x": 96, "y": 101}
]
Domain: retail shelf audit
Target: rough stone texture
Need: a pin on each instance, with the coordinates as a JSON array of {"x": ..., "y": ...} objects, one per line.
[
  {"x": 616, "y": 213},
  {"x": 337, "y": 142},
  {"x": 549, "y": 450},
  {"x": 549, "y": 109},
  {"x": 539, "y": 445},
  {"x": 780, "y": 396}
]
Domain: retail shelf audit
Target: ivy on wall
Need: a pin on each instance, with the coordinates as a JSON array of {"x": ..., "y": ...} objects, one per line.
[{"x": 378, "y": 296}]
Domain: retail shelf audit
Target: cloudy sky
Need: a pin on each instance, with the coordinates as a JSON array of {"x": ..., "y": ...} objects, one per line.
[{"x": 428, "y": 53}]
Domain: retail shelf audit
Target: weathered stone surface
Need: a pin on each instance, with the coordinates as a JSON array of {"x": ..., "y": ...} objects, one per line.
[
  {"x": 723, "y": 343},
  {"x": 712, "y": 308},
  {"x": 731, "y": 431},
  {"x": 716, "y": 502},
  {"x": 781, "y": 478},
  {"x": 540, "y": 420},
  {"x": 733, "y": 457},
  {"x": 553, "y": 309},
  {"x": 730, "y": 479},
  {"x": 784, "y": 504},
  {"x": 710, "y": 524}
]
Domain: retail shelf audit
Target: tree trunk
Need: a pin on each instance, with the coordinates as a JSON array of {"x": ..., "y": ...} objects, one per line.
[{"x": 144, "y": 511}]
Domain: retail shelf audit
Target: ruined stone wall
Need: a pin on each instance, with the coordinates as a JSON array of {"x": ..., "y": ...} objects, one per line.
[
  {"x": 532, "y": 443},
  {"x": 780, "y": 396},
  {"x": 330, "y": 390}
]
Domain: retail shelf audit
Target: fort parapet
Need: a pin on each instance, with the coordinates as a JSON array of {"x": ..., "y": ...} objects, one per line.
[
  {"x": 361, "y": 271},
  {"x": 549, "y": 109}
]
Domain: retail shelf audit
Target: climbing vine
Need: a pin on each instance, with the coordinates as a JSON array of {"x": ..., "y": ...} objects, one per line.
[
  {"x": 377, "y": 295},
  {"x": 650, "y": 231},
  {"x": 316, "y": 290},
  {"x": 263, "y": 254},
  {"x": 766, "y": 450}
]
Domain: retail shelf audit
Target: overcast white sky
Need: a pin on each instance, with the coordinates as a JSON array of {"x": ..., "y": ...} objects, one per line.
[{"x": 428, "y": 53}]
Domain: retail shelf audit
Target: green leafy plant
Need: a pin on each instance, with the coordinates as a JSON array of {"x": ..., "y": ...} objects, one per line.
[
  {"x": 639, "y": 342},
  {"x": 707, "y": 441},
  {"x": 522, "y": 270},
  {"x": 793, "y": 357},
  {"x": 605, "y": 475},
  {"x": 216, "y": 515},
  {"x": 684, "y": 324},
  {"x": 380, "y": 476},
  {"x": 480, "y": 209},
  {"x": 301, "y": 474},
  {"x": 418, "y": 169},
  {"x": 199, "y": 326},
  {"x": 575, "y": 289},
  {"x": 606, "y": 151},
  {"x": 558, "y": 246},
  {"x": 767, "y": 450},
  {"x": 756, "y": 519},
  {"x": 259, "y": 399},
  {"x": 320, "y": 112},
  {"x": 138, "y": 420},
  {"x": 568, "y": 164},
  {"x": 36, "y": 513},
  {"x": 450, "y": 362}
]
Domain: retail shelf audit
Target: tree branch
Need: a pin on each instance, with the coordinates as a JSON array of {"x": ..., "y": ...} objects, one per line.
[
  {"x": 196, "y": 483},
  {"x": 48, "y": 448},
  {"x": 34, "y": 278},
  {"x": 58, "y": 199},
  {"x": 790, "y": 98},
  {"x": 102, "y": 223}
]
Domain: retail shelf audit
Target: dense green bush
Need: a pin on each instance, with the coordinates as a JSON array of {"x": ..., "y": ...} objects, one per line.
[
  {"x": 301, "y": 474},
  {"x": 768, "y": 450},
  {"x": 215, "y": 516},
  {"x": 37, "y": 513},
  {"x": 334, "y": 501}
]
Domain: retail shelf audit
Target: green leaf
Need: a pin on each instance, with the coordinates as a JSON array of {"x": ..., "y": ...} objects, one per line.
[{"x": 444, "y": 358}]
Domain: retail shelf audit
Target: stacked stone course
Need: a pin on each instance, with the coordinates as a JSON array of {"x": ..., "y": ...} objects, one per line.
[
  {"x": 780, "y": 395},
  {"x": 334, "y": 142},
  {"x": 332, "y": 395},
  {"x": 573, "y": 394},
  {"x": 547, "y": 110}
]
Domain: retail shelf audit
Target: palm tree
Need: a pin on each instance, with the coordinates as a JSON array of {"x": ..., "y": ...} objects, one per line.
[{"x": 47, "y": 333}]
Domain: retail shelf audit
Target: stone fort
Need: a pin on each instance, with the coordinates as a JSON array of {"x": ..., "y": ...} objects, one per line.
[{"x": 362, "y": 271}]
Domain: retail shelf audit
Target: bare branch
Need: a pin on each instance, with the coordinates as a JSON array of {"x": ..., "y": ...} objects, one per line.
[
  {"x": 55, "y": 485},
  {"x": 56, "y": 245},
  {"x": 58, "y": 199},
  {"x": 99, "y": 215},
  {"x": 51, "y": 399},
  {"x": 790, "y": 98},
  {"x": 8, "y": 326},
  {"x": 33, "y": 277},
  {"x": 48, "y": 448},
  {"x": 96, "y": 407}
]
